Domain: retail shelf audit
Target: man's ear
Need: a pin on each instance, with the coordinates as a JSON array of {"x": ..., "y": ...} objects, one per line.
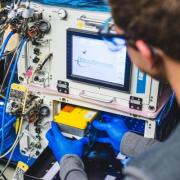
[
  {"x": 118, "y": 30},
  {"x": 143, "y": 48}
]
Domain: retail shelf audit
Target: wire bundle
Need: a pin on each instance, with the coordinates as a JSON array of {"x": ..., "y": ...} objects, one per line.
[
  {"x": 8, "y": 91},
  {"x": 94, "y": 5},
  {"x": 9, "y": 140}
]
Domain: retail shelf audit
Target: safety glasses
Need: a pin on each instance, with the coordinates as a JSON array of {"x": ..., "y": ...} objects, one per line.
[{"x": 114, "y": 41}]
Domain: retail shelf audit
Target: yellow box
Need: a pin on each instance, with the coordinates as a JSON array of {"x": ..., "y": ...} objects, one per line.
[
  {"x": 75, "y": 117},
  {"x": 19, "y": 87}
]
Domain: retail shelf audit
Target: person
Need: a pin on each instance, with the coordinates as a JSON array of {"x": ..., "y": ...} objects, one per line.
[{"x": 152, "y": 35}]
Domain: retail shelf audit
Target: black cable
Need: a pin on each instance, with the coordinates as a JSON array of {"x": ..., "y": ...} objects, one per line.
[
  {"x": 3, "y": 176},
  {"x": 44, "y": 62}
]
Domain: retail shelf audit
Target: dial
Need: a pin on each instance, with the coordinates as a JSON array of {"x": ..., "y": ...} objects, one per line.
[{"x": 62, "y": 13}]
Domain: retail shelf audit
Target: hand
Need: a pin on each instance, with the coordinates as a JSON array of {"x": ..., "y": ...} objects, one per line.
[
  {"x": 61, "y": 145},
  {"x": 115, "y": 129}
]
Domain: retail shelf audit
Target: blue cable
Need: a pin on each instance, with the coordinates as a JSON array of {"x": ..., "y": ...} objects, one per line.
[
  {"x": 8, "y": 90},
  {"x": 167, "y": 107},
  {"x": 5, "y": 44},
  {"x": 93, "y": 5}
]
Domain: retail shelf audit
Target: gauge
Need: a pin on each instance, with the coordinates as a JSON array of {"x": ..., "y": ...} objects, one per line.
[
  {"x": 44, "y": 26},
  {"x": 62, "y": 13}
]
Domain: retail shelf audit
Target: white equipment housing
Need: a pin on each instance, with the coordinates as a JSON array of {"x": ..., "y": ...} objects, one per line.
[{"x": 82, "y": 94}]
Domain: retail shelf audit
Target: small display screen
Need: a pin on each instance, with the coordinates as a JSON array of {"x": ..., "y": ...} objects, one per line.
[{"x": 90, "y": 61}]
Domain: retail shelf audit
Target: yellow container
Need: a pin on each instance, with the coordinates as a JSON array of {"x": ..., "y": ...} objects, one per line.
[{"x": 75, "y": 117}]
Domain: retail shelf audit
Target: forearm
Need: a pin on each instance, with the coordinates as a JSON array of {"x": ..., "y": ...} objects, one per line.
[
  {"x": 161, "y": 162},
  {"x": 133, "y": 173},
  {"x": 72, "y": 168},
  {"x": 133, "y": 145}
]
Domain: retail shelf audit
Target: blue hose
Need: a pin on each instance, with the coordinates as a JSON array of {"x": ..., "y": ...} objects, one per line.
[
  {"x": 93, "y": 5},
  {"x": 5, "y": 44},
  {"x": 8, "y": 90}
]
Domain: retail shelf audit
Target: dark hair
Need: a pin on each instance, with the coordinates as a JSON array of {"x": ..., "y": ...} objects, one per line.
[{"x": 157, "y": 22}]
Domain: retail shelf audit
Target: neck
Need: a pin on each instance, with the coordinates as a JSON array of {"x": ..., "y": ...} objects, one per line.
[{"x": 173, "y": 76}]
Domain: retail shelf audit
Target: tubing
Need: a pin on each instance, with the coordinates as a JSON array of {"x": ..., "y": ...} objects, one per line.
[
  {"x": 5, "y": 44},
  {"x": 8, "y": 90},
  {"x": 93, "y": 5}
]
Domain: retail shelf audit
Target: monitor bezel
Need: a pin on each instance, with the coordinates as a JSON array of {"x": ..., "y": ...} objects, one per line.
[{"x": 93, "y": 35}]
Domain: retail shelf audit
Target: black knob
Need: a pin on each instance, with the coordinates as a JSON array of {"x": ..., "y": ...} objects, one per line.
[
  {"x": 14, "y": 105},
  {"x": 37, "y": 51},
  {"x": 37, "y": 153},
  {"x": 44, "y": 111},
  {"x": 36, "y": 60},
  {"x": 38, "y": 130},
  {"x": 36, "y": 78}
]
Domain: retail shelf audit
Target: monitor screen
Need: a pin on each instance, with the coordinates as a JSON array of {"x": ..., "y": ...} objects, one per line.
[{"x": 90, "y": 61}]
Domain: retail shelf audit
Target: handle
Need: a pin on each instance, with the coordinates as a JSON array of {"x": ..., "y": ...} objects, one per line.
[
  {"x": 89, "y": 21},
  {"x": 84, "y": 95}
]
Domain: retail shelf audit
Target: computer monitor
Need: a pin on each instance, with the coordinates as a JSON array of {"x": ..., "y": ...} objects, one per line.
[{"x": 90, "y": 61}]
